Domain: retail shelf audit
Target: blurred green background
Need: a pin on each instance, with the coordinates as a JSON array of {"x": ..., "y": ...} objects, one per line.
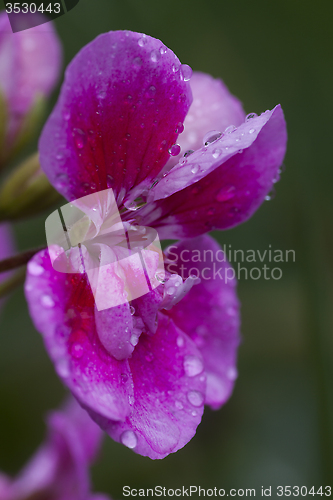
[{"x": 277, "y": 427}]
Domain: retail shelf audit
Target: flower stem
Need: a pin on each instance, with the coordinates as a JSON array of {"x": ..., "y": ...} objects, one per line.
[
  {"x": 18, "y": 260},
  {"x": 11, "y": 283}
]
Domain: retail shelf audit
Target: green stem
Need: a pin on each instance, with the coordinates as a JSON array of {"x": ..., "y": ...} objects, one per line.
[
  {"x": 18, "y": 260},
  {"x": 13, "y": 282}
]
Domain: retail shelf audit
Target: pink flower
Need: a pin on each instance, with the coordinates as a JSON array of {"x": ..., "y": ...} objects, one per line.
[
  {"x": 59, "y": 468},
  {"x": 30, "y": 63},
  {"x": 144, "y": 370}
]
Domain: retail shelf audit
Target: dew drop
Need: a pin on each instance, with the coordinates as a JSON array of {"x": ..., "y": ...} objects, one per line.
[
  {"x": 160, "y": 276},
  {"x": 194, "y": 413},
  {"x": 79, "y": 138},
  {"x": 163, "y": 145},
  {"x": 179, "y": 128},
  {"x": 134, "y": 340},
  {"x": 35, "y": 269},
  {"x": 226, "y": 194},
  {"x": 77, "y": 350},
  {"x": 142, "y": 41},
  {"x": 188, "y": 152},
  {"x": 180, "y": 341},
  {"x": 192, "y": 365},
  {"x": 195, "y": 169},
  {"x": 131, "y": 205},
  {"x": 132, "y": 310},
  {"x": 185, "y": 72},
  {"x": 271, "y": 194},
  {"x": 47, "y": 301},
  {"x": 211, "y": 136},
  {"x": 179, "y": 405},
  {"x": 171, "y": 290},
  {"x": 250, "y": 116},
  {"x": 217, "y": 153},
  {"x": 230, "y": 129},
  {"x": 155, "y": 55},
  {"x": 251, "y": 130},
  {"x": 174, "y": 150},
  {"x": 163, "y": 50},
  {"x": 129, "y": 439},
  {"x": 196, "y": 398}
]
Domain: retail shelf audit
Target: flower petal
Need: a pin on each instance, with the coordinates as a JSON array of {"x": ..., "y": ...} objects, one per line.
[
  {"x": 63, "y": 310},
  {"x": 59, "y": 468},
  {"x": 167, "y": 403},
  {"x": 116, "y": 117},
  {"x": 213, "y": 108},
  {"x": 30, "y": 63},
  {"x": 209, "y": 313},
  {"x": 216, "y": 187}
]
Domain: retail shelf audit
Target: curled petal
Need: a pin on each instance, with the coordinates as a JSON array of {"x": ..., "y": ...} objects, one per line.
[
  {"x": 116, "y": 117},
  {"x": 221, "y": 185},
  {"x": 209, "y": 313},
  {"x": 213, "y": 108},
  {"x": 167, "y": 402}
]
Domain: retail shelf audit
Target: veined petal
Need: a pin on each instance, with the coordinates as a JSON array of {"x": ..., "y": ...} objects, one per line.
[
  {"x": 116, "y": 117},
  {"x": 221, "y": 185},
  {"x": 167, "y": 402},
  {"x": 213, "y": 108},
  {"x": 209, "y": 313},
  {"x": 63, "y": 310}
]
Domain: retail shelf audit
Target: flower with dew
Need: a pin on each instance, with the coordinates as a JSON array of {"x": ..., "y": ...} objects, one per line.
[
  {"x": 144, "y": 370},
  {"x": 59, "y": 468},
  {"x": 30, "y": 63}
]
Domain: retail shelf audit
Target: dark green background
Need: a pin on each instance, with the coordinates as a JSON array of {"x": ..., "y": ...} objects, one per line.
[{"x": 277, "y": 427}]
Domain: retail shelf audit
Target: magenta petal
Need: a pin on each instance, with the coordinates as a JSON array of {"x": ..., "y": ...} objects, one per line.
[
  {"x": 63, "y": 310},
  {"x": 59, "y": 468},
  {"x": 220, "y": 185},
  {"x": 167, "y": 403},
  {"x": 116, "y": 117},
  {"x": 213, "y": 108},
  {"x": 30, "y": 63},
  {"x": 209, "y": 313}
]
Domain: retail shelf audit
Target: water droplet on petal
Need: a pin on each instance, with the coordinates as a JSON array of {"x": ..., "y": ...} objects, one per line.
[
  {"x": 129, "y": 439},
  {"x": 185, "y": 72},
  {"x": 155, "y": 55},
  {"x": 134, "y": 339},
  {"x": 132, "y": 310},
  {"x": 250, "y": 116},
  {"x": 77, "y": 350},
  {"x": 79, "y": 138},
  {"x": 143, "y": 41},
  {"x": 163, "y": 145},
  {"x": 180, "y": 341},
  {"x": 109, "y": 180},
  {"x": 174, "y": 150},
  {"x": 196, "y": 398},
  {"x": 192, "y": 365},
  {"x": 195, "y": 169},
  {"x": 47, "y": 301},
  {"x": 211, "y": 136},
  {"x": 171, "y": 290},
  {"x": 216, "y": 153},
  {"x": 251, "y": 130},
  {"x": 271, "y": 194},
  {"x": 179, "y": 405},
  {"x": 230, "y": 129},
  {"x": 35, "y": 269},
  {"x": 163, "y": 50},
  {"x": 160, "y": 276},
  {"x": 180, "y": 128},
  {"x": 226, "y": 194}
]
